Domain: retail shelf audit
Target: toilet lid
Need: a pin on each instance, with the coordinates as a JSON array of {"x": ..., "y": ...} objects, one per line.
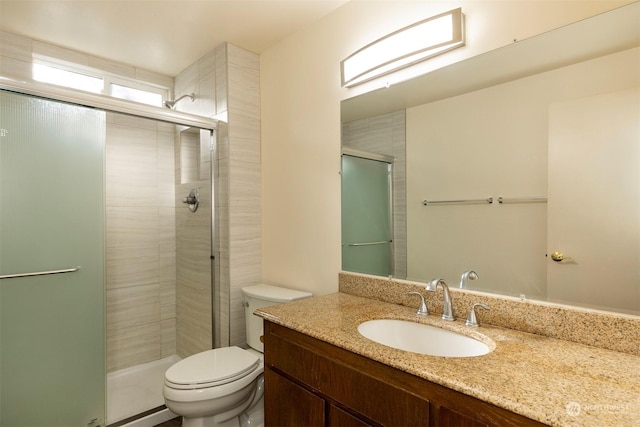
[{"x": 211, "y": 368}]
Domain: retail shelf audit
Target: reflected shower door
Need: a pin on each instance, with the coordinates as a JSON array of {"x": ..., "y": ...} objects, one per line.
[
  {"x": 52, "y": 339},
  {"x": 366, "y": 216}
]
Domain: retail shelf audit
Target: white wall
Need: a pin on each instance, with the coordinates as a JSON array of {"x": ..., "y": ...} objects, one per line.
[{"x": 300, "y": 98}]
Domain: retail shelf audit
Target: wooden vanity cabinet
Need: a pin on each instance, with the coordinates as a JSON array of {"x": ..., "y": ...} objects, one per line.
[{"x": 309, "y": 382}]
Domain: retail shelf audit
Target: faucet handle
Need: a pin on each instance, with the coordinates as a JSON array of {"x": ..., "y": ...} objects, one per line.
[
  {"x": 422, "y": 309},
  {"x": 467, "y": 275},
  {"x": 471, "y": 318}
]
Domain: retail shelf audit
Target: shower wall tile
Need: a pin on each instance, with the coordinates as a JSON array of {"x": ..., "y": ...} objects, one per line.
[
  {"x": 227, "y": 88},
  {"x": 166, "y": 169},
  {"x": 52, "y": 51},
  {"x": 245, "y": 226},
  {"x": 131, "y": 226},
  {"x": 168, "y": 300},
  {"x": 221, "y": 73},
  {"x": 133, "y": 346},
  {"x": 14, "y": 46},
  {"x": 15, "y": 68},
  {"x": 168, "y": 337},
  {"x": 193, "y": 272},
  {"x": 132, "y": 159},
  {"x": 112, "y": 67},
  {"x": 167, "y": 226},
  {"x": 132, "y": 266},
  {"x": 207, "y": 90},
  {"x": 132, "y": 306},
  {"x": 155, "y": 78},
  {"x": 141, "y": 241},
  {"x": 167, "y": 269}
]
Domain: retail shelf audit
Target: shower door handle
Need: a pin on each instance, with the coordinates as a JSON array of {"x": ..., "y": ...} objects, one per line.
[
  {"x": 40, "y": 273},
  {"x": 382, "y": 242}
]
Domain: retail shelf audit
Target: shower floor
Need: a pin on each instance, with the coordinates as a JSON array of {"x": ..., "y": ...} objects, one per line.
[{"x": 137, "y": 389}]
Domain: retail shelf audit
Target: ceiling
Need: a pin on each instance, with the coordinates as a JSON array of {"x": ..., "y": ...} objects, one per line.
[{"x": 163, "y": 36}]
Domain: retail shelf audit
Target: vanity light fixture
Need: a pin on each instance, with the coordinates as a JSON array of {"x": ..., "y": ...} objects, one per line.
[{"x": 405, "y": 47}]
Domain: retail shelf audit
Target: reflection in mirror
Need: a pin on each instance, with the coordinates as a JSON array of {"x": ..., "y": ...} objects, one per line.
[{"x": 561, "y": 143}]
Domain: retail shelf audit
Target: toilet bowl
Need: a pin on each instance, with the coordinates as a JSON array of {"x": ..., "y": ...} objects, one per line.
[
  {"x": 214, "y": 387},
  {"x": 224, "y": 387}
]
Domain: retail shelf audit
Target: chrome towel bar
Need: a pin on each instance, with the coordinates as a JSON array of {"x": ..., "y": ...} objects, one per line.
[
  {"x": 40, "y": 273},
  {"x": 522, "y": 200},
  {"x": 457, "y": 202}
]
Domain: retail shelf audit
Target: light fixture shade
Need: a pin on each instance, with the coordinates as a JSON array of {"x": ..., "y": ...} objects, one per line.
[{"x": 405, "y": 47}]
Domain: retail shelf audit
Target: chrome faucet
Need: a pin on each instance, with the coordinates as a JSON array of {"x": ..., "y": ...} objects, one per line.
[
  {"x": 472, "y": 320},
  {"x": 471, "y": 275},
  {"x": 447, "y": 310},
  {"x": 422, "y": 309}
]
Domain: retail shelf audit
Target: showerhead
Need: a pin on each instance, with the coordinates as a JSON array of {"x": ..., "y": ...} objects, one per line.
[{"x": 171, "y": 104}]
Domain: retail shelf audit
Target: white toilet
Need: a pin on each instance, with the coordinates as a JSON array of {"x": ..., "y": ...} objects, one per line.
[{"x": 224, "y": 386}]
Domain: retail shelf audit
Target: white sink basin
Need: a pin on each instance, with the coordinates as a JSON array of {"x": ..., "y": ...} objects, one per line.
[{"x": 421, "y": 338}]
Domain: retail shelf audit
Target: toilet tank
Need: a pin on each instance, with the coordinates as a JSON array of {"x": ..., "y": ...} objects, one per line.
[{"x": 259, "y": 296}]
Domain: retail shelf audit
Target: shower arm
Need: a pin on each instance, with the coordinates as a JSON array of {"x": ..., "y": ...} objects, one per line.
[{"x": 171, "y": 104}]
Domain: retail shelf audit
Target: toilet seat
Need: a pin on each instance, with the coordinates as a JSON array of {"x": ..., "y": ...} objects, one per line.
[{"x": 211, "y": 368}]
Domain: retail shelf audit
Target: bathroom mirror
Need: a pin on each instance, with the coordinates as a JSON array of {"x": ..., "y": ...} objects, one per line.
[{"x": 506, "y": 158}]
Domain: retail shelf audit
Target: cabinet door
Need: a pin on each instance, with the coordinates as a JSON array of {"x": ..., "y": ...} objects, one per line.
[
  {"x": 337, "y": 417},
  {"x": 287, "y": 404},
  {"x": 446, "y": 417}
]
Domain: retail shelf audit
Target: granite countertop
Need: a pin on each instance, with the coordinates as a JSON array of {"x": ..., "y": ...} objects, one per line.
[{"x": 549, "y": 380}]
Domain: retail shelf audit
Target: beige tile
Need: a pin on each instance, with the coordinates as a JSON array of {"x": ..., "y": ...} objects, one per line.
[
  {"x": 133, "y": 346},
  {"x": 46, "y": 49},
  {"x": 167, "y": 225},
  {"x": 168, "y": 336},
  {"x": 131, "y": 175},
  {"x": 15, "y": 47},
  {"x": 155, "y": 78},
  {"x": 166, "y": 169},
  {"x": 168, "y": 300},
  {"x": 131, "y": 266},
  {"x": 167, "y": 269},
  {"x": 132, "y": 306},
  {"x": 131, "y": 226},
  {"x": 14, "y": 68},
  {"x": 113, "y": 67}
]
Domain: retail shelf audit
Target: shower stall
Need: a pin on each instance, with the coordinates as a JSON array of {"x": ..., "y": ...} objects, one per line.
[{"x": 107, "y": 274}]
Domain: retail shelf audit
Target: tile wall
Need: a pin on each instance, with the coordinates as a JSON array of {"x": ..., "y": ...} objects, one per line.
[
  {"x": 226, "y": 84},
  {"x": 140, "y": 240}
]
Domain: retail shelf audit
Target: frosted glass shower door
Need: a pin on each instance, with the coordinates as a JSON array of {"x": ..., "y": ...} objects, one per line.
[
  {"x": 52, "y": 333},
  {"x": 366, "y": 216}
]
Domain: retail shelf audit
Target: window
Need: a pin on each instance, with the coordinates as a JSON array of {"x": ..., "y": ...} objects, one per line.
[
  {"x": 61, "y": 77},
  {"x": 136, "y": 95},
  {"x": 49, "y": 70}
]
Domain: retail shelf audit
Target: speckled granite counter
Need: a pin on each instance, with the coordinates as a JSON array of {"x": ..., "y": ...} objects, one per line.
[{"x": 549, "y": 380}]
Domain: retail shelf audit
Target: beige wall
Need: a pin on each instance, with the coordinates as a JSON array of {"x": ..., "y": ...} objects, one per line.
[
  {"x": 301, "y": 94},
  {"x": 491, "y": 143}
]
